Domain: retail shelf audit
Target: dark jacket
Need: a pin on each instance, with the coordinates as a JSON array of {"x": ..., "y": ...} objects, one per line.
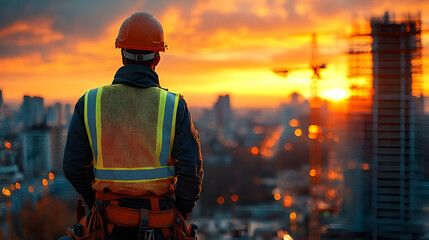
[{"x": 186, "y": 147}]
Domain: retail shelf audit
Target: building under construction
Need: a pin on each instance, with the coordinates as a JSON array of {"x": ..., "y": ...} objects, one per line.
[{"x": 385, "y": 66}]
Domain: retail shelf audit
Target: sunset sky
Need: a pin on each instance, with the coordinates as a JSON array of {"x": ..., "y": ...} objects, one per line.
[{"x": 59, "y": 49}]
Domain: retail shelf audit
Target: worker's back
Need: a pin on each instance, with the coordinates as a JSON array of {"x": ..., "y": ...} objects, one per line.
[{"x": 132, "y": 131}]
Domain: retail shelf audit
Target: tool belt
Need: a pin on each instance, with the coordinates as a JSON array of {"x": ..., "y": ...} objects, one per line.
[
  {"x": 129, "y": 217},
  {"x": 104, "y": 216}
]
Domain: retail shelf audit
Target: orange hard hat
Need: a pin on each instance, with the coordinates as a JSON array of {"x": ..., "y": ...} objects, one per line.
[{"x": 141, "y": 31}]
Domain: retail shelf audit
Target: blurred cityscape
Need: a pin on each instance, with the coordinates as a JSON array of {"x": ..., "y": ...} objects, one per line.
[{"x": 309, "y": 169}]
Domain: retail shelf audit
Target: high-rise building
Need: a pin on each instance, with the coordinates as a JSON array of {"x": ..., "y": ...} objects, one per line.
[
  {"x": 1, "y": 99},
  {"x": 58, "y": 141},
  {"x": 33, "y": 111},
  {"x": 222, "y": 110},
  {"x": 54, "y": 115},
  {"x": 9, "y": 170},
  {"x": 395, "y": 177},
  {"x": 36, "y": 152},
  {"x": 67, "y": 114},
  {"x": 51, "y": 116},
  {"x": 60, "y": 115}
]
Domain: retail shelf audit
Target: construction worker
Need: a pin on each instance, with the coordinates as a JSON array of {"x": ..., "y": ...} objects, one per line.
[{"x": 132, "y": 151}]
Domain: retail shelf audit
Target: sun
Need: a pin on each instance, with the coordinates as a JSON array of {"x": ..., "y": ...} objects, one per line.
[{"x": 336, "y": 94}]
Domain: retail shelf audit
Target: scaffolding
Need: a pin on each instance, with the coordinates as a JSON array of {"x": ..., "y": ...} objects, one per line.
[
  {"x": 360, "y": 68},
  {"x": 360, "y": 53}
]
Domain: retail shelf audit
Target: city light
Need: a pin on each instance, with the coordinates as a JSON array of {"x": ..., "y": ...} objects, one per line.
[
  {"x": 292, "y": 216},
  {"x": 266, "y": 152},
  {"x": 332, "y": 193},
  {"x": 18, "y": 185},
  {"x": 220, "y": 200},
  {"x": 7, "y": 192},
  {"x": 298, "y": 132},
  {"x": 293, "y": 123},
  {"x": 45, "y": 182},
  {"x": 30, "y": 189},
  {"x": 365, "y": 166},
  {"x": 277, "y": 196},
  {"x": 12, "y": 187},
  {"x": 336, "y": 138},
  {"x": 254, "y": 150},
  {"x": 51, "y": 176},
  {"x": 3, "y": 191},
  {"x": 287, "y": 201},
  {"x": 7, "y": 144},
  {"x": 312, "y": 135},
  {"x": 313, "y": 172},
  {"x": 234, "y": 198},
  {"x": 283, "y": 235},
  {"x": 287, "y": 237},
  {"x": 314, "y": 129}
]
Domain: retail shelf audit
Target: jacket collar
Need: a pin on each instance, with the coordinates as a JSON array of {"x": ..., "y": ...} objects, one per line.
[{"x": 135, "y": 75}]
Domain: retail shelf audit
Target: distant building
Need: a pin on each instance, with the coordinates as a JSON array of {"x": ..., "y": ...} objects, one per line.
[
  {"x": 9, "y": 170},
  {"x": 54, "y": 115},
  {"x": 33, "y": 111},
  {"x": 67, "y": 114},
  {"x": 36, "y": 152},
  {"x": 51, "y": 116},
  {"x": 60, "y": 114},
  {"x": 396, "y": 178},
  {"x": 58, "y": 141},
  {"x": 298, "y": 110},
  {"x": 1, "y": 99},
  {"x": 222, "y": 109},
  {"x": 7, "y": 120}
]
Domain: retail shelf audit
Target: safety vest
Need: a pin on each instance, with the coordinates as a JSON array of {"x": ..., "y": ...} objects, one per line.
[{"x": 131, "y": 132}]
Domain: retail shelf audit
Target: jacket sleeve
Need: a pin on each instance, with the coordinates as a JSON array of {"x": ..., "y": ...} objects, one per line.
[
  {"x": 77, "y": 161},
  {"x": 187, "y": 152}
]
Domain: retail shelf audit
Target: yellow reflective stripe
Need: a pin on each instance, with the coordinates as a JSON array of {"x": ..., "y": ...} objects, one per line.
[
  {"x": 173, "y": 124},
  {"x": 86, "y": 121},
  {"x": 161, "y": 110},
  {"x": 133, "y": 181},
  {"x": 99, "y": 162}
]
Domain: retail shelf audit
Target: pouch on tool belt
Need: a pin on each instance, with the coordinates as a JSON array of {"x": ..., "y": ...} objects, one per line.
[
  {"x": 93, "y": 228},
  {"x": 181, "y": 232}
]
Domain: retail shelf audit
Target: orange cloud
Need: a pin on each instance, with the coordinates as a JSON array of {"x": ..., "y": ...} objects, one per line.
[
  {"x": 34, "y": 32},
  {"x": 216, "y": 46}
]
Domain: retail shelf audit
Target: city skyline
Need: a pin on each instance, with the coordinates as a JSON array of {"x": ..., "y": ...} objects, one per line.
[{"x": 212, "y": 51}]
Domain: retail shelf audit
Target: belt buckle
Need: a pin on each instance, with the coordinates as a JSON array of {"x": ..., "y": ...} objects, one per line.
[{"x": 144, "y": 232}]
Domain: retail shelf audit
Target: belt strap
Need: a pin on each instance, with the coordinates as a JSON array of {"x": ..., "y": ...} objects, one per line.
[
  {"x": 154, "y": 203},
  {"x": 129, "y": 217}
]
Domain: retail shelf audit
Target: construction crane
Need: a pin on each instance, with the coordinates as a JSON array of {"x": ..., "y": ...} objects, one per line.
[
  {"x": 314, "y": 66},
  {"x": 315, "y": 133}
]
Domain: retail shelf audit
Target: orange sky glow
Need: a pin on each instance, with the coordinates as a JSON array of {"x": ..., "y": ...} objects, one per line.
[{"x": 215, "y": 47}]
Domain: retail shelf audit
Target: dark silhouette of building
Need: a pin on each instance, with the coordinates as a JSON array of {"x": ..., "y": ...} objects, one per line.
[
  {"x": 33, "y": 111},
  {"x": 222, "y": 110},
  {"x": 392, "y": 148}
]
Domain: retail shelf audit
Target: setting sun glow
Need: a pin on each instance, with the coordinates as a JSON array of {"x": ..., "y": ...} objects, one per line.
[{"x": 336, "y": 94}]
